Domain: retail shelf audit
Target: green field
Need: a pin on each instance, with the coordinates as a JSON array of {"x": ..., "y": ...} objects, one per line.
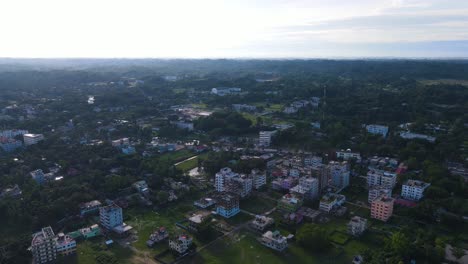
[
  {"x": 188, "y": 164},
  {"x": 257, "y": 205}
]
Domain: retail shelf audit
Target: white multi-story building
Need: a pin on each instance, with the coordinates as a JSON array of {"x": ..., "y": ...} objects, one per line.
[
  {"x": 274, "y": 240},
  {"x": 264, "y": 138},
  {"x": 377, "y": 191},
  {"x": 244, "y": 107},
  {"x": 339, "y": 173},
  {"x": 330, "y": 201},
  {"x": 379, "y": 177},
  {"x": 409, "y": 135},
  {"x": 290, "y": 110},
  {"x": 377, "y": 130},
  {"x": 258, "y": 178},
  {"x": 180, "y": 243},
  {"x": 222, "y": 176},
  {"x": 313, "y": 161},
  {"x": 348, "y": 154},
  {"x": 308, "y": 188},
  {"x": 31, "y": 139},
  {"x": 413, "y": 189},
  {"x": 110, "y": 216},
  {"x": 357, "y": 225},
  {"x": 43, "y": 246},
  {"x": 12, "y": 133}
]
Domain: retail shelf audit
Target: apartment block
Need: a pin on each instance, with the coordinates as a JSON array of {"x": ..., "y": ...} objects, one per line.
[
  {"x": 289, "y": 203},
  {"x": 274, "y": 240},
  {"x": 383, "y": 178},
  {"x": 357, "y": 225},
  {"x": 261, "y": 222},
  {"x": 348, "y": 155},
  {"x": 330, "y": 201},
  {"x": 65, "y": 244},
  {"x": 180, "y": 243},
  {"x": 43, "y": 246},
  {"x": 31, "y": 139},
  {"x": 339, "y": 174},
  {"x": 382, "y": 208},
  {"x": 259, "y": 178},
  {"x": 264, "y": 138},
  {"x": 413, "y": 189},
  {"x": 377, "y": 191},
  {"x": 307, "y": 188},
  {"x": 377, "y": 130},
  {"x": 110, "y": 216},
  {"x": 227, "y": 205},
  {"x": 89, "y": 207}
]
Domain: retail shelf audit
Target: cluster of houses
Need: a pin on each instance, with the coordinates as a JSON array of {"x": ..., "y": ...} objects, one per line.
[
  {"x": 9, "y": 141},
  {"x": 296, "y": 105}
]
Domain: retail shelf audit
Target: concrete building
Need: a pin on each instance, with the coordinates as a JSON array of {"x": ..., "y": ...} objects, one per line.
[
  {"x": 348, "y": 155},
  {"x": 357, "y": 225},
  {"x": 10, "y": 144},
  {"x": 379, "y": 177},
  {"x": 204, "y": 202},
  {"x": 65, "y": 244},
  {"x": 110, "y": 216},
  {"x": 89, "y": 207},
  {"x": 244, "y": 107},
  {"x": 321, "y": 173},
  {"x": 308, "y": 188},
  {"x": 339, "y": 174},
  {"x": 331, "y": 201},
  {"x": 313, "y": 161},
  {"x": 141, "y": 187},
  {"x": 377, "y": 130},
  {"x": 413, "y": 189},
  {"x": 222, "y": 91},
  {"x": 377, "y": 191},
  {"x": 289, "y": 203},
  {"x": 261, "y": 222},
  {"x": 382, "y": 208},
  {"x": 31, "y": 139},
  {"x": 181, "y": 243},
  {"x": 198, "y": 220},
  {"x": 157, "y": 236},
  {"x": 274, "y": 240},
  {"x": 228, "y": 181},
  {"x": 183, "y": 125},
  {"x": 225, "y": 174},
  {"x": 38, "y": 176},
  {"x": 43, "y": 246},
  {"x": 264, "y": 138},
  {"x": 290, "y": 110},
  {"x": 227, "y": 205},
  {"x": 259, "y": 178},
  {"x": 409, "y": 135}
]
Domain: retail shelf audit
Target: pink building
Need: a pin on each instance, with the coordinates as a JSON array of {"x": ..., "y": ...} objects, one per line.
[{"x": 382, "y": 208}]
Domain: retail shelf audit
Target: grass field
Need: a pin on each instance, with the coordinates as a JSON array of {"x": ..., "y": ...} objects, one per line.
[
  {"x": 188, "y": 164},
  {"x": 339, "y": 238},
  {"x": 257, "y": 205},
  {"x": 178, "y": 155},
  {"x": 445, "y": 81}
]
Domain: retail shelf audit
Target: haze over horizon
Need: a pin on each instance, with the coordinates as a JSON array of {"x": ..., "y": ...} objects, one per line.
[{"x": 235, "y": 29}]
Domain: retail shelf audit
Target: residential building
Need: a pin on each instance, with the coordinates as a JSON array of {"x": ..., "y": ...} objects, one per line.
[
  {"x": 261, "y": 222},
  {"x": 244, "y": 107},
  {"x": 65, "y": 244},
  {"x": 313, "y": 161},
  {"x": 290, "y": 110},
  {"x": 198, "y": 220},
  {"x": 348, "y": 155},
  {"x": 90, "y": 232},
  {"x": 307, "y": 188},
  {"x": 413, "y": 189},
  {"x": 331, "y": 201},
  {"x": 227, "y": 205},
  {"x": 258, "y": 178},
  {"x": 264, "y": 138},
  {"x": 409, "y": 135},
  {"x": 377, "y": 191},
  {"x": 110, "y": 216},
  {"x": 141, "y": 187},
  {"x": 181, "y": 243},
  {"x": 377, "y": 130},
  {"x": 183, "y": 125},
  {"x": 322, "y": 174},
  {"x": 204, "y": 202},
  {"x": 128, "y": 150},
  {"x": 12, "y": 191},
  {"x": 382, "y": 208},
  {"x": 89, "y": 207},
  {"x": 339, "y": 174},
  {"x": 43, "y": 246},
  {"x": 357, "y": 225},
  {"x": 222, "y": 176},
  {"x": 222, "y": 91},
  {"x": 12, "y": 133},
  {"x": 274, "y": 240},
  {"x": 379, "y": 177},
  {"x": 38, "y": 176},
  {"x": 120, "y": 142},
  {"x": 289, "y": 203},
  {"x": 241, "y": 185},
  {"x": 31, "y": 139},
  {"x": 10, "y": 144},
  {"x": 157, "y": 236}
]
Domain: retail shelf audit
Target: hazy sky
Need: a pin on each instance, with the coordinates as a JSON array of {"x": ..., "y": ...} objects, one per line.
[{"x": 237, "y": 28}]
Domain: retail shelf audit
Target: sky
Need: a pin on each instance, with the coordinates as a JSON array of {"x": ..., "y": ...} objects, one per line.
[{"x": 233, "y": 29}]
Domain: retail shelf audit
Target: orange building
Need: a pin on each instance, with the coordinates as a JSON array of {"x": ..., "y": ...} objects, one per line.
[{"x": 382, "y": 208}]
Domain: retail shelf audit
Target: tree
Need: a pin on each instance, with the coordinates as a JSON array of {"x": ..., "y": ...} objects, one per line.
[
  {"x": 313, "y": 237},
  {"x": 400, "y": 244},
  {"x": 162, "y": 196},
  {"x": 458, "y": 252}
]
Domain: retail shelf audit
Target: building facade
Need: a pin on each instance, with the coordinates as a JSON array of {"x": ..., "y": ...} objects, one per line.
[
  {"x": 413, "y": 189},
  {"x": 382, "y": 208},
  {"x": 43, "y": 246},
  {"x": 110, "y": 216}
]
